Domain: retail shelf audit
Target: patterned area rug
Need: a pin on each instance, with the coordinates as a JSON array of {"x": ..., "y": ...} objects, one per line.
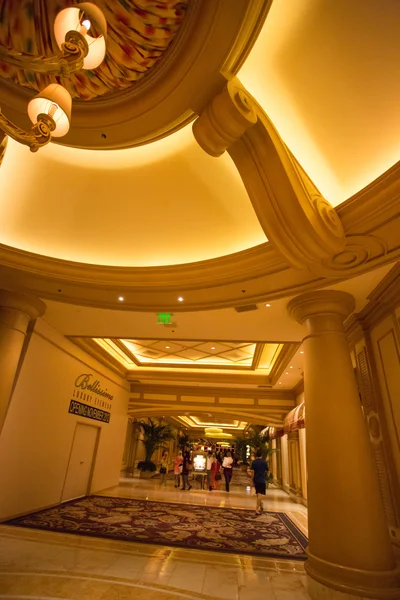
[{"x": 225, "y": 529}]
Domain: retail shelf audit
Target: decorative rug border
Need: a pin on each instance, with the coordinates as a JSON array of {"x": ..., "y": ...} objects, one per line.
[{"x": 294, "y": 530}]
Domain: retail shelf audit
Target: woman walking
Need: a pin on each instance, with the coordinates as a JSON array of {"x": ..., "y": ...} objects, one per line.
[
  {"x": 214, "y": 471},
  {"x": 178, "y": 463},
  {"x": 227, "y": 466}
]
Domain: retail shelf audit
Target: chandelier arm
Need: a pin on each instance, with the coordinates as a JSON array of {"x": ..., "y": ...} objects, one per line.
[
  {"x": 67, "y": 63},
  {"x": 38, "y": 136}
]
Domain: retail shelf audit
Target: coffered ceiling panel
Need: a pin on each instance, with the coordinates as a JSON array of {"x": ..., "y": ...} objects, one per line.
[{"x": 214, "y": 354}]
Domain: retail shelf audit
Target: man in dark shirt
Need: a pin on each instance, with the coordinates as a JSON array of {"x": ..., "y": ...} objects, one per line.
[{"x": 260, "y": 470}]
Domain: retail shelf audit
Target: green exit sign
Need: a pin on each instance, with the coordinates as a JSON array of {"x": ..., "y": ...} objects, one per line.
[{"x": 164, "y": 318}]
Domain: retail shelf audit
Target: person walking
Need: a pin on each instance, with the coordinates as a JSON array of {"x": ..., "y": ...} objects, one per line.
[
  {"x": 260, "y": 469},
  {"x": 215, "y": 467},
  {"x": 186, "y": 468},
  {"x": 178, "y": 465},
  {"x": 209, "y": 465},
  {"x": 227, "y": 467},
  {"x": 164, "y": 468}
]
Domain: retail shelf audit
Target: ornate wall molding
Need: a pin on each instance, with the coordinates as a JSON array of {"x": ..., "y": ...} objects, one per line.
[{"x": 383, "y": 301}]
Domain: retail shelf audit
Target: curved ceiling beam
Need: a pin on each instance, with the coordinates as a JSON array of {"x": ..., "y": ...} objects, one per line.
[{"x": 296, "y": 218}]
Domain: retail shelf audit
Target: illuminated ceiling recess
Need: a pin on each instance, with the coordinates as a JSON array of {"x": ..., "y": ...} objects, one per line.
[{"x": 80, "y": 32}]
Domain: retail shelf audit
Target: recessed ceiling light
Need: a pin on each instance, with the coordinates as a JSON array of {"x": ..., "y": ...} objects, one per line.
[
  {"x": 167, "y": 347},
  {"x": 268, "y": 305},
  {"x": 291, "y": 366},
  {"x": 121, "y": 298},
  {"x": 180, "y": 299},
  {"x": 280, "y": 382},
  {"x": 286, "y": 373},
  {"x": 301, "y": 351},
  {"x": 213, "y": 348}
]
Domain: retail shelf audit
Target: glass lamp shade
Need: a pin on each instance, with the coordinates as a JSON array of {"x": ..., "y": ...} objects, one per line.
[
  {"x": 72, "y": 18},
  {"x": 55, "y": 101}
]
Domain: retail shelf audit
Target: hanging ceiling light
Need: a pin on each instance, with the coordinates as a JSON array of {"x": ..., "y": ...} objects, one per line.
[{"x": 80, "y": 33}]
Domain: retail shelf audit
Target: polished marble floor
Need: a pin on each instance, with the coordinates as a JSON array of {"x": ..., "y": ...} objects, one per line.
[{"x": 53, "y": 566}]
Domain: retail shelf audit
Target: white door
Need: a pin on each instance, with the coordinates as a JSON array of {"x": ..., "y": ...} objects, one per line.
[{"x": 80, "y": 462}]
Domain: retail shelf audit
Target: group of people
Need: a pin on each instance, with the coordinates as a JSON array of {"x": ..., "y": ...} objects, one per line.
[{"x": 215, "y": 463}]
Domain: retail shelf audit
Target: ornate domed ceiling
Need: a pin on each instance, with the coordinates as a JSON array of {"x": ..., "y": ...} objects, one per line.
[
  {"x": 138, "y": 34},
  {"x": 159, "y": 214}
]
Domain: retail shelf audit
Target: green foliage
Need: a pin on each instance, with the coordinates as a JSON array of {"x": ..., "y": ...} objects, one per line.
[
  {"x": 241, "y": 442},
  {"x": 146, "y": 465},
  {"x": 154, "y": 437},
  {"x": 259, "y": 441},
  {"x": 183, "y": 440}
]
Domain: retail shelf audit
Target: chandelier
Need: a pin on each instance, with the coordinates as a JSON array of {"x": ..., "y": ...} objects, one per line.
[{"x": 80, "y": 33}]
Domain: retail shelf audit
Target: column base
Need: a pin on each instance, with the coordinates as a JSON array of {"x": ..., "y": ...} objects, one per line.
[{"x": 327, "y": 581}]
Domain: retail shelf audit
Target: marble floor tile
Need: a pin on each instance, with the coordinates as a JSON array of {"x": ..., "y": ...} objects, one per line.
[
  {"x": 192, "y": 584},
  {"x": 55, "y": 565}
]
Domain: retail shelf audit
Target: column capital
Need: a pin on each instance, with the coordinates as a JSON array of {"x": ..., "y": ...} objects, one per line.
[
  {"x": 24, "y": 303},
  {"x": 321, "y": 302}
]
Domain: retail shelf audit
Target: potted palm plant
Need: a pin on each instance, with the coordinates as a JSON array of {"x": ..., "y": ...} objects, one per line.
[
  {"x": 241, "y": 442},
  {"x": 154, "y": 437}
]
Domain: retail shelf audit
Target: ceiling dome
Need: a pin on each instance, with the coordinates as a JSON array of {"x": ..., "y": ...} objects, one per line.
[{"x": 138, "y": 34}]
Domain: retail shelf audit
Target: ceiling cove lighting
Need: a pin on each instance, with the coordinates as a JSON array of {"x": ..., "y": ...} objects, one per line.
[{"x": 80, "y": 33}]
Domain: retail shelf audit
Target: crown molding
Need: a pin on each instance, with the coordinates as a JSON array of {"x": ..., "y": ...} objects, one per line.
[
  {"x": 371, "y": 221},
  {"x": 299, "y": 388},
  {"x": 187, "y": 390}
]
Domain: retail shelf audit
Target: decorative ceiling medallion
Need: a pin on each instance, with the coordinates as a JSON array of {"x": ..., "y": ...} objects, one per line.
[
  {"x": 124, "y": 108},
  {"x": 139, "y": 33}
]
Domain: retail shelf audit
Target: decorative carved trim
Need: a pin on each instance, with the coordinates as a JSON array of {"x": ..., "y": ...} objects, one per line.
[
  {"x": 369, "y": 394},
  {"x": 3, "y": 145},
  {"x": 252, "y": 24},
  {"x": 257, "y": 394},
  {"x": 225, "y": 119},
  {"x": 296, "y": 218}
]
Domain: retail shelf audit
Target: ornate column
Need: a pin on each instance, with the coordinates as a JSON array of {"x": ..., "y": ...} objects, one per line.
[
  {"x": 349, "y": 551},
  {"x": 16, "y": 312}
]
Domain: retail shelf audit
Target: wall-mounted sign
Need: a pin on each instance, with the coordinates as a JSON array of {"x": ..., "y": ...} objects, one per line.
[
  {"x": 90, "y": 399},
  {"x": 83, "y": 410},
  {"x": 164, "y": 318}
]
